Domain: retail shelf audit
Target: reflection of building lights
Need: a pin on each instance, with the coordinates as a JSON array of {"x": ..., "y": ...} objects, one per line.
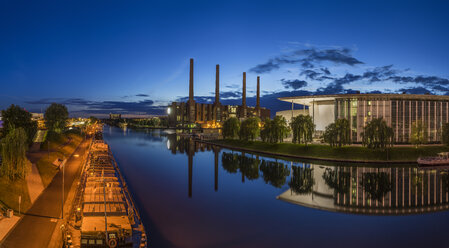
[
  {"x": 168, "y": 110},
  {"x": 168, "y": 144}
]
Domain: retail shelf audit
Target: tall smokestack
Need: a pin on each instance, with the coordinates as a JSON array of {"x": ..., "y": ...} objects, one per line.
[
  {"x": 244, "y": 95},
  {"x": 191, "y": 82},
  {"x": 191, "y": 102},
  {"x": 258, "y": 97},
  {"x": 217, "y": 84}
]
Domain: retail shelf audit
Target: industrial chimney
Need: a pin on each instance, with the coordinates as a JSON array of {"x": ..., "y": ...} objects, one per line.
[
  {"x": 217, "y": 84},
  {"x": 244, "y": 96},
  {"x": 258, "y": 97},
  {"x": 191, "y": 101}
]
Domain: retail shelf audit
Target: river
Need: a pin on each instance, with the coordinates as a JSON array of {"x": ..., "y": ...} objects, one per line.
[{"x": 193, "y": 195}]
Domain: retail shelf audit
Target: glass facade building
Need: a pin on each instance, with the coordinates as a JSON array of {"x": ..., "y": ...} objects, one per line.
[{"x": 400, "y": 111}]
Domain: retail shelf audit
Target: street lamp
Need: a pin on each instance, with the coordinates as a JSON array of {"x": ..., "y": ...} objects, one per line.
[{"x": 63, "y": 179}]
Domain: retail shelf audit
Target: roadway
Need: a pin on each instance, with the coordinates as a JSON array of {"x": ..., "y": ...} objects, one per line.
[{"x": 35, "y": 229}]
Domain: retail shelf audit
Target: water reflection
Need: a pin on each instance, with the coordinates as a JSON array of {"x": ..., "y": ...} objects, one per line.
[{"x": 351, "y": 189}]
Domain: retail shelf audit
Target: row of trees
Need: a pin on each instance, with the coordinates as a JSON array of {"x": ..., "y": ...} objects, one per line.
[
  {"x": 272, "y": 131},
  {"x": 376, "y": 133},
  {"x": 248, "y": 129},
  {"x": 275, "y": 130},
  {"x": 18, "y": 133}
]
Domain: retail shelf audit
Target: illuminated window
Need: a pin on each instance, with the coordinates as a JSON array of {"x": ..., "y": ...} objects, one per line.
[
  {"x": 369, "y": 103},
  {"x": 369, "y": 113}
]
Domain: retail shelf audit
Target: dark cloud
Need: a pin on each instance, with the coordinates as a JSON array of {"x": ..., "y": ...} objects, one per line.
[
  {"x": 320, "y": 75},
  {"x": 415, "y": 90},
  {"x": 293, "y": 84},
  {"x": 231, "y": 94},
  {"x": 337, "y": 56},
  {"x": 308, "y": 58},
  {"x": 144, "y": 106},
  {"x": 310, "y": 74},
  {"x": 265, "y": 67},
  {"x": 430, "y": 81},
  {"x": 380, "y": 73},
  {"x": 232, "y": 86},
  {"x": 325, "y": 71},
  {"x": 142, "y": 95}
]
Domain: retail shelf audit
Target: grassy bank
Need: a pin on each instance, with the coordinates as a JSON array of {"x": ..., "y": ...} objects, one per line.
[
  {"x": 59, "y": 144},
  {"x": 10, "y": 192},
  {"x": 355, "y": 153}
]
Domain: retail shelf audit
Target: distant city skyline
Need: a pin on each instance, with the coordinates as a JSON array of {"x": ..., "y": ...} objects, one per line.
[{"x": 133, "y": 58}]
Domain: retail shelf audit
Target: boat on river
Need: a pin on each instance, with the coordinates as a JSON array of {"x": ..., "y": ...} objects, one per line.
[
  {"x": 441, "y": 160},
  {"x": 104, "y": 213}
]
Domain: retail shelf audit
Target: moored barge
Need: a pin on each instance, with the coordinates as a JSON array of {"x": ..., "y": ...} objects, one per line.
[{"x": 104, "y": 213}]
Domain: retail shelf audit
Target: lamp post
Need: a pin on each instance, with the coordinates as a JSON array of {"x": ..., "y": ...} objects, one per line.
[{"x": 63, "y": 177}]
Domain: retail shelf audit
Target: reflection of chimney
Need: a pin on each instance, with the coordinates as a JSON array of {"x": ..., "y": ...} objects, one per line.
[
  {"x": 258, "y": 97},
  {"x": 191, "y": 152},
  {"x": 244, "y": 96},
  {"x": 217, "y": 85},
  {"x": 216, "y": 168},
  {"x": 190, "y": 174},
  {"x": 191, "y": 100}
]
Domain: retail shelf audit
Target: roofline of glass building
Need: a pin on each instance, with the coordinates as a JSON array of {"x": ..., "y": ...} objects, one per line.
[{"x": 400, "y": 111}]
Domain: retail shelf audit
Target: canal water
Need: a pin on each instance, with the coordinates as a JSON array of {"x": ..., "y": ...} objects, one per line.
[{"x": 194, "y": 195}]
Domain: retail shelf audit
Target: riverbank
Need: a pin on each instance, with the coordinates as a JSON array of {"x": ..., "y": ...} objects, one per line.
[
  {"x": 350, "y": 154},
  {"x": 11, "y": 190}
]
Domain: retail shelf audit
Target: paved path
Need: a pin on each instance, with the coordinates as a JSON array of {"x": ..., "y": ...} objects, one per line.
[
  {"x": 34, "y": 181},
  {"x": 36, "y": 227},
  {"x": 6, "y": 224}
]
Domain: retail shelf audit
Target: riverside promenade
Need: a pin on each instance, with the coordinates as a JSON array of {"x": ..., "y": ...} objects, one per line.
[{"x": 36, "y": 228}]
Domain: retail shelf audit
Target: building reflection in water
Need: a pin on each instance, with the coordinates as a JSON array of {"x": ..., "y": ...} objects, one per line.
[
  {"x": 351, "y": 189},
  {"x": 177, "y": 144}
]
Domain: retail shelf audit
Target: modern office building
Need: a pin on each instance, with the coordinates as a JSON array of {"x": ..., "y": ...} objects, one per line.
[
  {"x": 393, "y": 191},
  {"x": 400, "y": 111},
  {"x": 191, "y": 113}
]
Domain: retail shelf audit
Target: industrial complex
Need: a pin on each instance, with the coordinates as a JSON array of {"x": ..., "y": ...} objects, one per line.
[{"x": 191, "y": 113}]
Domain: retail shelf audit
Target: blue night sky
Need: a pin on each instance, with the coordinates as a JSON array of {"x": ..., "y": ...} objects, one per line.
[{"x": 133, "y": 56}]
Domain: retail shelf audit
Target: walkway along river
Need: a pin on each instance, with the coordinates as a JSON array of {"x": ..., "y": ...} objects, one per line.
[{"x": 194, "y": 195}]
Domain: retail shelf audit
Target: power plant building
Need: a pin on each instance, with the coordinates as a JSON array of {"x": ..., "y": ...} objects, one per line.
[
  {"x": 191, "y": 113},
  {"x": 400, "y": 111}
]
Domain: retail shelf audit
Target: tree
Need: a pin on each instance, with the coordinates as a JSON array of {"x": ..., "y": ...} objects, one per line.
[
  {"x": 16, "y": 117},
  {"x": 249, "y": 129},
  {"x": 275, "y": 130},
  {"x": 230, "y": 162},
  {"x": 249, "y": 167},
  {"x": 418, "y": 134},
  {"x": 445, "y": 134},
  {"x": 274, "y": 173},
  {"x": 303, "y": 128},
  {"x": 377, "y": 134},
  {"x": 338, "y": 133},
  {"x": 56, "y": 116},
  {"x": 376, "y": 184},
  {"x": 154, "y": 122},
  {"x": 93, "y": 119},
  {"x": 337, "y": 179},
  {"x": 231, "y": 128},
  {"x": 14, "y": 161},
  {"x": 301, "y": 181}
]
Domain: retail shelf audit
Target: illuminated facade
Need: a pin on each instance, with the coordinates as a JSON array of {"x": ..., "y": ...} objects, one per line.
[
  {"x": 383, "y": 191},
  {"x": 400, "y": 111},
  {"x": 190, "y": 113}
]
